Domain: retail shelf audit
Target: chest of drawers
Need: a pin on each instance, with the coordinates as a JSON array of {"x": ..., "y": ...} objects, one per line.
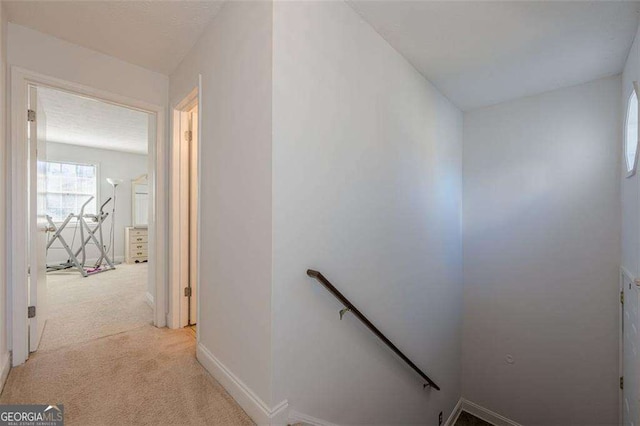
[{"x": 136, "y": 245}]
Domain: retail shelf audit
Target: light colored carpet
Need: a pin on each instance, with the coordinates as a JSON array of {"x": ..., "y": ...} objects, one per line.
[
  {"x": 82, "y": 309},
  {"x": 147, "y": 376}
]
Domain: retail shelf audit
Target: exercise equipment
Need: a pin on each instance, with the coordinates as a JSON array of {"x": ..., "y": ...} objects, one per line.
[{"x": 88, "y": 235}]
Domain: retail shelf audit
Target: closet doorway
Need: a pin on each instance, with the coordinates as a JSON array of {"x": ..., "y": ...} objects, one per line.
[{"x": 184, "y": 214}]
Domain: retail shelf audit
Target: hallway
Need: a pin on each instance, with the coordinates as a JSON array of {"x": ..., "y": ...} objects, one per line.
[
  {"x": 146, "y": 376},
  {"x": 464, "y": 174},
  {"x": 99, "y": 345}
]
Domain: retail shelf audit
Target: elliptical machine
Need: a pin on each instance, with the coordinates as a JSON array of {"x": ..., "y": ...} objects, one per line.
[{"x": 88, "y": 235}]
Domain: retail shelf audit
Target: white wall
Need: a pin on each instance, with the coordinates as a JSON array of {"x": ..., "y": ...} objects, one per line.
[
  {"x": 53, "y": 57},
  {"x": 367, "y": 189},
  {"x": 234, "y": 58},
  {"x": 542, "y": 255},
  {"x": 630, "y": 200},
  {"x": 630, "y": 186},
  {"x": 4, "y": 206},
  {"x": 113, "y": 164}
]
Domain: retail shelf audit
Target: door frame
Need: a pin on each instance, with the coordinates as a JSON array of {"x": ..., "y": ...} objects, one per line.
[
  {"x": 17, "y": 255},
  {"x": 176, "y": 307},
  {"x": 623, "y": 276}
]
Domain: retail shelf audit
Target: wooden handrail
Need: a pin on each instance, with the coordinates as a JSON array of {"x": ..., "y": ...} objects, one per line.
[{"x": 349, "y": 307}]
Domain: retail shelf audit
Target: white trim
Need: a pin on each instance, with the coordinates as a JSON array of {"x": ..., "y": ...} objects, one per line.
[
  {"x": 628, "y": 274},
  {"x": 461, "y": 405},
  {"x": 625, "y": 276},
  {"x": 5, "y": 368},
  {"x": 17, "y": 288},
  {"x": 176, "y": 314},
  {"x": 486, "y": 414},
  {"x": 199, "y": 212},
  {"x": 150, "y": 301},
  {"x": 175, "y": 298},
  {"x": 251, "y": 403},
  {"x": 19, "y": 224},
  {"x": 634, "y": 92},
  {"x": 455, "y": 413},
  {"x": 295, "y": 417}
]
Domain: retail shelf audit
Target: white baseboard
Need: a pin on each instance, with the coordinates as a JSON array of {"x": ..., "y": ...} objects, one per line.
[
  {"x": 453, "y": 417},
  {"x": 244, "y": 396},
  {"x": 486, "y": 414},
  {"x": 295, "y": 417},
  {"x": 5, "y": 367},
  {"x": 150, "y": 300}
]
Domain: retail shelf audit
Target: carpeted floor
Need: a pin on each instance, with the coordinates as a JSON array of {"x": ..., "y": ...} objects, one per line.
[
  {"x": 101, "y": 357},
  {"x": 82, "y": 309},
  {"x": 146, "y": 376}
]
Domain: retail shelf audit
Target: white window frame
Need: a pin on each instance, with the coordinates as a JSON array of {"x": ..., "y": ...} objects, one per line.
[
  {"x": 98, "y": 199},
  {"x": 631, "y": 170}
]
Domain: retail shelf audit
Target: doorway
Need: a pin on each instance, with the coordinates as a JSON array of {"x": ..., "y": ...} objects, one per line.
[
  {"x": 95, "y": 202},
  {"x": 46, "y": 192},
  {"x": 185, "y": 213}
]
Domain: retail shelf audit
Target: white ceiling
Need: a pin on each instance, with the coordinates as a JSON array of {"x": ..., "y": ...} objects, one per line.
[
  {"x": 153, "y": 34},
  {"x": 477, "y": 53},
  {"x": 77, "y": 120},
  {"x": 481, "y": 53}
]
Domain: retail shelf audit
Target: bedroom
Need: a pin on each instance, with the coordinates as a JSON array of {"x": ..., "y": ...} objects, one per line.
[{"x": 92, "y": 187}]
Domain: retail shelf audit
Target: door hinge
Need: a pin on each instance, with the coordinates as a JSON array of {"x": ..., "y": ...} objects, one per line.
[
  {"x": 31, "y": 312},
  {"x": 621, "y": 382},
  {"x": 622, "y": 297},
  {"x": 188, "y": 135},
  {"x": 187, "y": 291},
  {"x": 31, "y": 115}
]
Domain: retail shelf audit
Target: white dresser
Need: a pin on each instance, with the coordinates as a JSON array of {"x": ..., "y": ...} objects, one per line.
[{"x": 136, "y": 245}]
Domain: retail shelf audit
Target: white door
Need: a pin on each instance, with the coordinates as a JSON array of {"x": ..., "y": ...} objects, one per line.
[
  {"x": 37, "y": 220},
  {"x": 193, "y": 215},
  {"x": 188, "y": 213},
  {"x": 630, "y": 326}
]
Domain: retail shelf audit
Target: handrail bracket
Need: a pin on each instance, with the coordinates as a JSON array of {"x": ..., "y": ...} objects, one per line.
[{"x": 344, "y": 311}]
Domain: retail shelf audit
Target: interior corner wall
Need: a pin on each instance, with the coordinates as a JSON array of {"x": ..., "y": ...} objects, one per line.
[
  {"x": 234, "y": 59},
  {"x": 542, "y": 256},
  {"x": 367, "y": 172}
]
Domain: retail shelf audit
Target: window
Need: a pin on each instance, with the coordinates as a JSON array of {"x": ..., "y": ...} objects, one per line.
[
  {"x": 68, "y": 187},
  {"x": 631, "y": 133}
]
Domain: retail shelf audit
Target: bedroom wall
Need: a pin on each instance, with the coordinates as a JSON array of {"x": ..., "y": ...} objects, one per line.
[
  {"x": 114, "y": 164},
  {"x": 378, "y": 211},
  {"x": 542, "y": 256}
]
